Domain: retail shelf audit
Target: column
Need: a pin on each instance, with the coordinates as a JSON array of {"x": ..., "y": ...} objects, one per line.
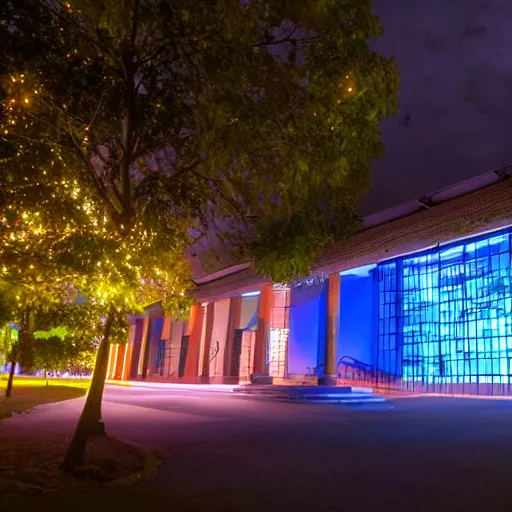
[
  {"x": 235, "y": 311},
  {"x": 194, "y": 329},
  {"x": 120, "y": 357},
  {"x": 143, "y": 347},
  {"x": 127, "y": 359},
  {"x": 166, "y": 336},
  {"x": 265, "y": 306},
  {"x": 115, "y": 363},
  {"x": 205, "y": 364},
  {"x": 329, "y": 377},
  {"x": 110, "y": 361}
]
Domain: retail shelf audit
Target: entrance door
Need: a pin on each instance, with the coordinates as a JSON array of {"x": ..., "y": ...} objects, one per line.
[
  {"x": 236, "y": 352},
  {"x": 183, "y": 355}
]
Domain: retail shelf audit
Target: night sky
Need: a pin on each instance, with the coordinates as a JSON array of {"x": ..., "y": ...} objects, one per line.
[{"x": 455, "y": 116}]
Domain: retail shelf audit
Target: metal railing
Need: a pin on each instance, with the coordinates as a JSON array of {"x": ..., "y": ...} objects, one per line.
[{"x": 357, "y": 372}]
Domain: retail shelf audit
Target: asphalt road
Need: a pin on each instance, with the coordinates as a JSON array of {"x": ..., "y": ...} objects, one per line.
[{"x": 237, "y": 454}]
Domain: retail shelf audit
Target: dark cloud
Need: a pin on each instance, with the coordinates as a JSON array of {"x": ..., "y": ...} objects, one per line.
[{"x": 455, "y": 117}]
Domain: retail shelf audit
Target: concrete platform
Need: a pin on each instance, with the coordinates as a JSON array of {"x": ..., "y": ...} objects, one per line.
[{"x": 309, "y": 394}]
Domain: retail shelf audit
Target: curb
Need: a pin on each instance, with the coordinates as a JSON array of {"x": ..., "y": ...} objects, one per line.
[
  {"x": 14, "y": 487},
  {"x": 151, "y": 465}
]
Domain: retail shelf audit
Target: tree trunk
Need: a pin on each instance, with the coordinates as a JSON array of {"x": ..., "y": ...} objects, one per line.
[
  {"x": 46, "y": 377},
  {"x": 8, "y": 391},
  {"x": 90, "y": 420},
  {"x": 26, "y": 343}
]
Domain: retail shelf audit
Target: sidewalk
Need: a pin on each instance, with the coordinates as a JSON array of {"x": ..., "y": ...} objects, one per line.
[
  {"x": 348, "y": 395},
  {"x": 148, "y": 427},
  {"x": 208, "y": 388}
]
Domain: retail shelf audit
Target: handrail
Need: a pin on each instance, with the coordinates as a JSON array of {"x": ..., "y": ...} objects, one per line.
[
  {"x": 355, "y": 370},
  {"x": 354, "y": 363}
]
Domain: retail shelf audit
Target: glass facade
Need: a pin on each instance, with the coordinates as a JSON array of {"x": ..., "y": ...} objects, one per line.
[{"x": 445, "y": 315}]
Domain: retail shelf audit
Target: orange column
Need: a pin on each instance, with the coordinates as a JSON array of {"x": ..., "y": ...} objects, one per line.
[
  {"x": 331, "y": 340},
  {"x": 127, "y": 359},
  {"x": 205, "y": 369},
  {"x": 115, "y": 354},
  {"x": 143, "y": 346},
  {"x": 194, "y": 329},
  {"x": 127, "y": 364},
  {"x": 235, "y": 311},
  {"x": 110, "y": 360},
  {"x": 266, "y": 303},
  {"x": 118, "y": 372}
]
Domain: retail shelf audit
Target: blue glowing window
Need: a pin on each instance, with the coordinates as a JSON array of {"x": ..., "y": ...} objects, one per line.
[{"x": 446, "y": 315}]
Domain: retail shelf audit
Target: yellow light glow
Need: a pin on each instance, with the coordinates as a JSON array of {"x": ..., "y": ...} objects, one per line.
[
  {"x": 109, "y": 369},
  {"x": 126, "y": 348},
  {"x": 116, "y": 354}
]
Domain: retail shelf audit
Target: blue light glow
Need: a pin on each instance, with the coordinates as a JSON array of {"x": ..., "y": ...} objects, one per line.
[
  {"x": 250, "y": 294},
  {"x": 446, "y": 315}
]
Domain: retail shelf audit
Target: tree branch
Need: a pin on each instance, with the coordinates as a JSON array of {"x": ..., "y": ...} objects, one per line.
[
  {"x": 95, "y": 112},
  {"x": 287, "y": 39}
]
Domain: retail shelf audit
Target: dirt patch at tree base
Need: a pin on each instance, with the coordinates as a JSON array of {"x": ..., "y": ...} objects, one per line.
[{"x": 36, "y": 462}]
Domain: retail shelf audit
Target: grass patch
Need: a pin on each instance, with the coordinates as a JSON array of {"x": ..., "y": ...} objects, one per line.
[{"x": 31, "y": 392}]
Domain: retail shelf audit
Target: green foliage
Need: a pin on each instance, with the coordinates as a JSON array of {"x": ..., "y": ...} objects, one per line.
[
  {"x": 127, "y": 126},
  {"x": 256, "y": 121},
  {"x": 8, "y": 341},
  {"x": 55, "y": 332},
  {"x": 75, "y": 329},
  {"x": 71, "y": 347},
  {"x": 51, "y": 353}
]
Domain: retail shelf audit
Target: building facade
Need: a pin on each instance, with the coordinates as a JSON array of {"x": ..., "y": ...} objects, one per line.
[{"x": 419, "y": 300}]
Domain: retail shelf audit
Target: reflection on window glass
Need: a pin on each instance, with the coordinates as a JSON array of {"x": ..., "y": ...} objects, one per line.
[{"x": 446, "y": 315}]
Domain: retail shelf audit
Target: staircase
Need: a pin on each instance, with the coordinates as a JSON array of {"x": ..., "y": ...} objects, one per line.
[{"x": 311, "y": 394}]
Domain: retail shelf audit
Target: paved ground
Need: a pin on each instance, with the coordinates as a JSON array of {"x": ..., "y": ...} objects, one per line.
[{"x": 237, "y": 454}]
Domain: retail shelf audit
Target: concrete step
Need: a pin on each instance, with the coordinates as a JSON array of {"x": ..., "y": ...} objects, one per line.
[{"x": 310, "y": 394}]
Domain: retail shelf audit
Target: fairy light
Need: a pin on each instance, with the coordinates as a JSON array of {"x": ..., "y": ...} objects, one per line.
[{"x": 124, "y": 267}]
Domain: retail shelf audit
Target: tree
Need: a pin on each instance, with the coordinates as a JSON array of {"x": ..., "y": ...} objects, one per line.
[
  {"x": 252, "y": 121},
  {"x": 7, "y": 339},
  {"x": 29, "y": 308},
  {"x": 17, "y": 343},
  {"x": 67, "y": 336},
  {"x": 51, "y": 353},
  {"x": 8, "y": 349},
  {"x": 82, "y": 360}
]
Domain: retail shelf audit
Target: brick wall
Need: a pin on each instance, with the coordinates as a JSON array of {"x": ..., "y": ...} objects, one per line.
[{"x": 483, "y": 210}]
